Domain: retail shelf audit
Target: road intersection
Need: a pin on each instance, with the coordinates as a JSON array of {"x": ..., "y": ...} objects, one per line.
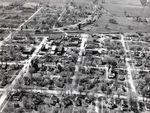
[{"x": 19, "y": 28}]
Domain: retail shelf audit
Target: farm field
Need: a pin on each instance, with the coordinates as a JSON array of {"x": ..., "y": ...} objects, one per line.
[{"x": 126, "y": 18}]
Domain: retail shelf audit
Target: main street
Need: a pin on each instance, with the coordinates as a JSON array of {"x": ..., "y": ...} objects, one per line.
[
  {"x": 3, "y": 98},
  {"x": 24, "y": 69}
]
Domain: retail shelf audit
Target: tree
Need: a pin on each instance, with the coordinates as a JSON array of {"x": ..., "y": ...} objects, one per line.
[
  {"x": 19, "y": 110},
  {"x": 28, "y": 102},
  {"x": 6, "y": 57},
  {"x": 103, "y": 1},
  {"x": 29, "y": 37},
  {"x": 133, "y": 103},
  {"x": 34, "y": 63},
  {"x": 74, "y": 56},
  {"x": 35, "y": 20},
  {"x": 146, "y": 91},
  {"x": 130, "y": 27},
  {"x": 37, "y": 76},
  {"x": 147, "y": 79},
  {"x": 113, "y": 21},
  {"x": 144, "y": 2},
  {"x": 59, "y": 67},
  {"x": 76, "y": 80},
  {"x": 121, "y": 52},
  {"x": 18, "y": 57},
  {"x": 59, "y": 24},
  {"x": 140, "y": 85},
  {"x": 107, "y": 27},
  {"x": 82, "y": 110},
  {"x": 43, "y": 109},
  {"x": 125, "y": 13},
  {"x": 80, "y": 89},
  {"x": 119, "y": 92},
  {"x": 104, "y": 87},
  {"x": 59, "y": 84},
  {"x": 64, "y": 74},
  {"x": 109, "y": 91},
  {"x": 1, "y": 59},
  {"x": 2, "y": 74},
  {"x": 24, "y": 100},
  {"x": 55, "y": 110},
  {"x": 18, "y": 84},
  {"x": 31, "y": 70},
  {"x": 71, "y": 66}
]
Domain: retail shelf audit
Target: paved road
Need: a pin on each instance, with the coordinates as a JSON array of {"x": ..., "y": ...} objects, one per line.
[
  {"x": 24, "y": 70},
  {"x": 30, "y": 18},
  {"x": 130, "y": 79},
  {"x": 5, "y": 39},
  {"x": 84, "y": 39},
  {"x": 9, "y": 36},
  {"x": 62, "y": 14},
  {"x": 97, "y": 106},
  {"x": 26, "y": 67},
  {"x": 9, "y": 88},
  {"x": 14, "y": 63}
]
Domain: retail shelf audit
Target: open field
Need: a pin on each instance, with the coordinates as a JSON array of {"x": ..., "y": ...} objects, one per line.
[
  {"x": 126, "y": 15},
  {"x": 51, "y": 2},
  {"x": 131, "y": 9}
]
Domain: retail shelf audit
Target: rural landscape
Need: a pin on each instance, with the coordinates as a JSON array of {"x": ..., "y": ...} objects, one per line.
[{"x": 75, "y": 56}]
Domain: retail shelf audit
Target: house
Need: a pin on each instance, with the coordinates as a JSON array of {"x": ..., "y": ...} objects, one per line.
[
  {"x": 53, "y": 50},
  {"x": 60, "y": 51},
  {"x": 28, "y": 50},
  {"x": 16, "y": 96}
]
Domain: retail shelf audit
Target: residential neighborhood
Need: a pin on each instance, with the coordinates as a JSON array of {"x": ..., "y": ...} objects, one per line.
[{"x": 74, "y": 56}]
